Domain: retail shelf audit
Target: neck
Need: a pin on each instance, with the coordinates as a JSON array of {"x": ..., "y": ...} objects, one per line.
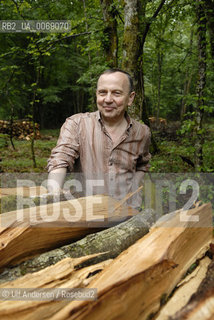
[{"x": 111, "y": 123}]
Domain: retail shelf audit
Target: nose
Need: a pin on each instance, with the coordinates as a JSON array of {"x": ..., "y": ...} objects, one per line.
[{"x": 108, "y": 97}]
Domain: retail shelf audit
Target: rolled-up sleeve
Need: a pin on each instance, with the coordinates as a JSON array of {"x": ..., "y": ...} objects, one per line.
[
  {"x": 145, "y": 156},
  {"x": 67, "y": 149}
]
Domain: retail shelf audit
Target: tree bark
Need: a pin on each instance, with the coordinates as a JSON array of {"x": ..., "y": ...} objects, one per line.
[
  {"x": 87, "y": 29},
  {"x": 199, "y": 112},
  {"x": 110, "y": 242},
  {"x": 160, "y": 62},
  {"x": 134, "y": 11},
  {"x": 131, "y": 39},
  {"x": 209, "y": 10},
  {"x": 33, "y": 103},
  {"x": 144, "y": 29},
  {"x": 110, "y": 43},
  {"x": 135, "y": 33},
  {"x": 187, "y": 83}
]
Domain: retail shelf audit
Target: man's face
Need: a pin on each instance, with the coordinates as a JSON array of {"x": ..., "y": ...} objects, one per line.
[{"x": 113, "y": 95}]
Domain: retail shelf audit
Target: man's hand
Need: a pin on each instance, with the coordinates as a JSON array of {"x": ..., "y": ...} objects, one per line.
[{"x": 56, "y": 180}]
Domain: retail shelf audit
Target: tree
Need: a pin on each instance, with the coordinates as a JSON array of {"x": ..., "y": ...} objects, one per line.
[
  {"x": 110, "y": 38},
  {"x": 209, "y": 11},
  {"x": 136, "y": 29},
  {"x": 199, "y": 110},
  {"x": 131, "y": 39}
]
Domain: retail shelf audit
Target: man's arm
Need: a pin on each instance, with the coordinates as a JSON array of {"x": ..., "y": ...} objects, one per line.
[{"x": 63, "y": 155}]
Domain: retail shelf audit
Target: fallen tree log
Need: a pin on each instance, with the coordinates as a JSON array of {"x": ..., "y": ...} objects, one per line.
[
  {"x": 201, "y": 303},
  {"x": 26, "y": 232},
  {"x": 110, "y": 242},
  {"x": 62, "y": 275},
  {"x": 133, "y": 285}
]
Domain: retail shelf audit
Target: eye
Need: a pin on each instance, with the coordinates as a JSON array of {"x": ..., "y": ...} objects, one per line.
[
  {"x": 117, "y": 93},
  {"x": 101, "y": 92}
]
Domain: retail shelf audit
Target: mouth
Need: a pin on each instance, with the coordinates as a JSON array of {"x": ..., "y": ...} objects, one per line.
[{"x": 108, "y": 108}]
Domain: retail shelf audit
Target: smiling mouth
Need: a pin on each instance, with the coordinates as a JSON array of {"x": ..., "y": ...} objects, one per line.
[{"x": 109, "y": 108}]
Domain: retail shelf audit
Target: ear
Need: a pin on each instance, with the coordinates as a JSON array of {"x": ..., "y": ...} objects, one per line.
[{"x": 131, "y": 98}]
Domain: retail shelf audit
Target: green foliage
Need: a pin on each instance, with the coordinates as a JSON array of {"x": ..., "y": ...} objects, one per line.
[
  {"x": 170, "y": 36},
  {"x": 69, "y": 65},
  {"x": 169, "y": 159},
  {"x": 61, "y": 60},
  {"x": 187, "y": 125},
  {"x": 4, "y": 140},
  {"x": 55, "y": 74}
]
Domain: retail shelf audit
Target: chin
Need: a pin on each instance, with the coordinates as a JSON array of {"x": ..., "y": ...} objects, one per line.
[
  {"x": 108, "y": 113},
  {"x": 110, "y": 116}
]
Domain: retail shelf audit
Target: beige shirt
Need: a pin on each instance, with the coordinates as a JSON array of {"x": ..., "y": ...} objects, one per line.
[{"x": 85, "y": 146}]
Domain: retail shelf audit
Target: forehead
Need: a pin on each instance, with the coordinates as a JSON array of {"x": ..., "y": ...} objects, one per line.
[{"x": 113, "y": 80}]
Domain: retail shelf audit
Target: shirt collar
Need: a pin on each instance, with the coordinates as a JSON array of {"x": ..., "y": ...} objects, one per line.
[{"x": 129, "y": 120}]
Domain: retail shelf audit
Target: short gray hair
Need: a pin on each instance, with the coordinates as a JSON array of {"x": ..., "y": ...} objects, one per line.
[{"x": 131, "y": 84}]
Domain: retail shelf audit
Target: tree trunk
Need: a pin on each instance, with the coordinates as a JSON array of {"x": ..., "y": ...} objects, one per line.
[
  {"x": 131, "y": 39},
  {"x": 144, "y": 29},
  {"x": 11, "y": 109},
  {"x": 134, "y": 11},
  {"x": 86, "y": 29},
  {"x": 33, "y": 103},
  {"x": 110, "y": 43},
  {"x": 209, "y": 10},
  {"x": 110, "y": 242},
  {"x": 135, "y": 33},
  {"x": 160, "y": 61},
  {"x": 199, "y": 112},
  {"x": 187, "y": 83}
]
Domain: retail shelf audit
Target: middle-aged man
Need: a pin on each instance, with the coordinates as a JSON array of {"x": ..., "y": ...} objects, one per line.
[{"x": 107, "y": 145}]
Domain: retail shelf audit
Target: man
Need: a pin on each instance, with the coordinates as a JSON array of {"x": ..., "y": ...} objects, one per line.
[{"x": 106, "y": 145}]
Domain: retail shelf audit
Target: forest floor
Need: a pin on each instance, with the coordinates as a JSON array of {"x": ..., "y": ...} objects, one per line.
[{"x": 176, "y": 152}]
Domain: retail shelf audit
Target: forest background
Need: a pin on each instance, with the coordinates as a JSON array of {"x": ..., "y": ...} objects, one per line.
[{"x": 166, "y": 45}]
